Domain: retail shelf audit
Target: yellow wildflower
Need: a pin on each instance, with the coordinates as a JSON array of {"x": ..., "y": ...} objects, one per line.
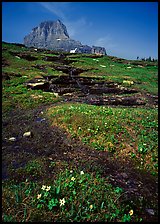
[
  {"x": 91, "y": 206},
  {"x": 39, "y": 196},
  {"x": 73, "y": 178},
  {"x": 131, "y": 212},
  {"x": 110, "y": 144}
]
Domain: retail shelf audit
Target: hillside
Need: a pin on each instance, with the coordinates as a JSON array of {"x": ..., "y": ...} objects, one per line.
[{"x": 84, "y": 125}]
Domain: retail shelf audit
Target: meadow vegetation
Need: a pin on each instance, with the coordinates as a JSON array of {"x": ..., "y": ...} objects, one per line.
[{"x": 47, "y": 188}]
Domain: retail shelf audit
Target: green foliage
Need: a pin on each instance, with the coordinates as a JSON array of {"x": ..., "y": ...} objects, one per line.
[
  {"x": 8, "y": 218},
  {"x": 34, "y": 167},
  {"x": 74, "y": 196}
]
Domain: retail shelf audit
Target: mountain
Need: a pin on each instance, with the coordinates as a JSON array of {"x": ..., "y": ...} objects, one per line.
[{"x": 53, "y": 35}]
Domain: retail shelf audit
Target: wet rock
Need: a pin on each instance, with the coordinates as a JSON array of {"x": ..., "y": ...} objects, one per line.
[
  {"x": 140, "y": 66},
  {"x": 51, "y": 58},
  {"x": 28, "y": 57},
  {"x": 35, "y": 84},
  {"x": 38, "y": 84},
  {"x": 128, "y": 82},
  {"x": 27, "y": 134},
  {"x": 90, "y": 90},
  {"x": 67, "y": 94},
  {"x": 13, "y": 139},
  {"x": 39, "y": 77},
  {"x": 56, "y": 94},
  {"x": 150, "y": 211},
  {"x": 17, "y": 57},
  {"x": 39, "y": 119}
]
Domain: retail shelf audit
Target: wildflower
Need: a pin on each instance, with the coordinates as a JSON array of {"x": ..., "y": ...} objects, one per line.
[
  {"x": 91, "y": 206},
  {"x": 110, "y": 144},
  {"x": 73, "y": 178},
  {"x": 43, "y": 187},
  {"x": 48, "y": 188},
  {"x": 39, "y": 196},
  {"x": 71, "y": 171},
  {"x": 62, "y": 201},
  {"x": 81, "y": 172},
  {"x": 131, "y": 212}
]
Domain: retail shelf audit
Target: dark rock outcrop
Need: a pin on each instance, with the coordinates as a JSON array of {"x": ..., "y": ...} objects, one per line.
[{"x": 53, "y": 35}]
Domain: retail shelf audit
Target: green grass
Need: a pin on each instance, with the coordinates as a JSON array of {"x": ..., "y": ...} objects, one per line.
[
  {"x": 16, "y": 95},
  {"x": 125, "y": 132},
  {"x": 73, "y": 196},
  {"x": 144, "y": 78},
  {"x": 14, "y": 92}
]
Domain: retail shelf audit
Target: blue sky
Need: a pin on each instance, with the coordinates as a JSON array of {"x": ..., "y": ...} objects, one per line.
[{"x": 125, "y": 29}]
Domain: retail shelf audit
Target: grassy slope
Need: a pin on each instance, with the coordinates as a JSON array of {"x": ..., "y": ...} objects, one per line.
[{"x": 129, "y": 133}]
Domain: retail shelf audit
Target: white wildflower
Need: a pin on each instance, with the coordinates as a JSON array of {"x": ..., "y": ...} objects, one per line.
[{"x": 62, "y": 201}]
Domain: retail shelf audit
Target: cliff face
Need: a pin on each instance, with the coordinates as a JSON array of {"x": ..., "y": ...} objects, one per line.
[{"x": 53, "y": 35}]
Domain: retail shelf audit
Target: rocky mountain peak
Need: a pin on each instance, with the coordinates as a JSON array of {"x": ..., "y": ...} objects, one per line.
[
  {"x": 55, "y": 29},
  {"x": 53, "y": 35}
]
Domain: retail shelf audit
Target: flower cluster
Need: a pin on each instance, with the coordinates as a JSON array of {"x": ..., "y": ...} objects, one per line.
[
  {"x": 48, "y": 197},
  {"x": 47, "y": 188}
]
